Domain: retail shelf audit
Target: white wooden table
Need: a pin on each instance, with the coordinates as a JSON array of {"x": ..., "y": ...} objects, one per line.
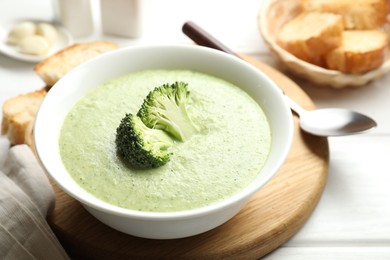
[{"x": 352, "y": 219}]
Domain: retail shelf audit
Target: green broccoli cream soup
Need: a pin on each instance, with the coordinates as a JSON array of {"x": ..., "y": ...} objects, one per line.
[{"x": 224, "y": 157}]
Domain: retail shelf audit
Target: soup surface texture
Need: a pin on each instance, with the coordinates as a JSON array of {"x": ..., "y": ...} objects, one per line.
[{"x": 227, "y": 154}]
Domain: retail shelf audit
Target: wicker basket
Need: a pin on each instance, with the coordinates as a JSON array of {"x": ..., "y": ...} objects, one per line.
[{"x": 272, "y": 16}]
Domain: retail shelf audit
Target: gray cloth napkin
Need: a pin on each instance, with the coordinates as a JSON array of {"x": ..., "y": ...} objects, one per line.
[{"x": 26, "y": 197}]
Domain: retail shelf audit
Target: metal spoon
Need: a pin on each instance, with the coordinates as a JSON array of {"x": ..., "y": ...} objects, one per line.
[{"x": 320, "y": 122}]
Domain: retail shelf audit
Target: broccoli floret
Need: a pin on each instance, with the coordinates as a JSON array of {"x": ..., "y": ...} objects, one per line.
[
  {"x": 165, "y": 108},
  {"x": 141, "y": 146}
]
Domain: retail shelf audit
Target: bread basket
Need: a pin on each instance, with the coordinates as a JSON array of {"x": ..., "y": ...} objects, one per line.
[{"x": 272, "y": 16}]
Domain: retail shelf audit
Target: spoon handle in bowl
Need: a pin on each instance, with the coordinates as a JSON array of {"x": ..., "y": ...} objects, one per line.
[{"x": 203, "y": 38}]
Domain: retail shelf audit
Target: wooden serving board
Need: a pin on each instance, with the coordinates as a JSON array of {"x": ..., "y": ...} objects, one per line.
[{"x": 270, "y": 218}]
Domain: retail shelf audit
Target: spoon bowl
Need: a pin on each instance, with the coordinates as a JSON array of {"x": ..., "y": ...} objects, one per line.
[
  {"x": 335, "y": 122},
  {"x": 320, "y": 122},
  {"x": 331, "y": 121}
]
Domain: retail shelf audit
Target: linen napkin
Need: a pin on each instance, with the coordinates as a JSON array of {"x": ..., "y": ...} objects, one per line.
[{"x": 26, "y": 197}]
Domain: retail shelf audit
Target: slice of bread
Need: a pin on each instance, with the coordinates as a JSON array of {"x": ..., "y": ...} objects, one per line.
[
  {"x": 361, "y": 51},
  {"x": 19, "y": 114},
  {"x": 20, "y": 128},
  {"x": 56, "y": 66},
  {"x": 311, "y": 34},
  {"x": 357, "y": 14}
]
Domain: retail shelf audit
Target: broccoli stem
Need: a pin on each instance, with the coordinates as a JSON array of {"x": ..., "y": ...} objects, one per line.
[
  {"x": 165, "y": 108},
  {"x": 175, "y": 120}
]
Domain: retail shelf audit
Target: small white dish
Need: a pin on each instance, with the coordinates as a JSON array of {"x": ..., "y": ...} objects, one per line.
[{"x": 64, "y": 39}]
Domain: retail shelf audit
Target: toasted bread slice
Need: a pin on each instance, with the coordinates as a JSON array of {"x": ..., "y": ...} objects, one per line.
[
  {"x": 20, "y": 128},
  {"x": 361, "y": 51},
  {"x": 310, "y": 35},
  {"x": 19, "y": 114},
  {"x": 60, "y": 63},
  {"x": 357, "y": 14}
]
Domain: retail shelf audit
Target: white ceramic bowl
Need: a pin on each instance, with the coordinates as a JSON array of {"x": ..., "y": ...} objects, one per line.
[{"x": 165, "y": 225}]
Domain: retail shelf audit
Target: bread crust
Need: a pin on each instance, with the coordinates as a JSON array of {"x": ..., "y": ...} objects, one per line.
[
  {"x": 19, "y": 114},
  {"x": 356, "y": 55},
  {"x": 357, "y": 14},
  {"x": 56, "y": 66},
  {"x": 310, "y": 35}
]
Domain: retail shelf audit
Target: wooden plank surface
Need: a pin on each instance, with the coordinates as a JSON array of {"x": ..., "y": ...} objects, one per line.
[{"x": 270, "y": 218}]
